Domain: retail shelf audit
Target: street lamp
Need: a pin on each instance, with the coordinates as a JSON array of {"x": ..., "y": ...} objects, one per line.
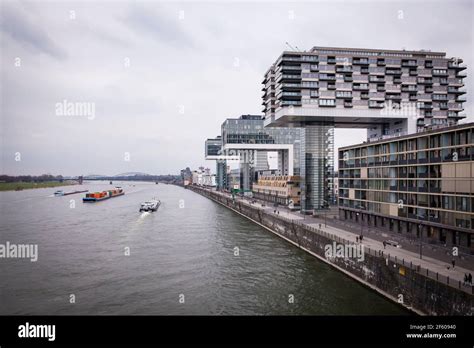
[{"x": 359, "y": 216}]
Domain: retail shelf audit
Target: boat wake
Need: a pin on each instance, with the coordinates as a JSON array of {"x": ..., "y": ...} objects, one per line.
[{"x": 144, "y": 214}]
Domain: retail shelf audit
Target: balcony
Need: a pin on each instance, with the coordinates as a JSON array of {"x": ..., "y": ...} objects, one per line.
[
  {"x": 374, "y": 104},
  {"x": 393, "y": 88},
  {"x": 285, "y": 77},
  {"x": 393, "y": 72},
  {"x": 324, "y": 77},
  {"x": 360, "y": 61},
  {"x": 456, "y": 90},
  {"x": 409, "y": 88},
  {"x": 290, "y": 86},
  {"x": 310, "y": 58},
  {"x": 343, "y": 95},
  {"x": 455, "y": 82},
  {"x": 408, "y": 63},
  {"x": 455, "y": 106},
  {"x": 344, "y": 69},
  {"x": 291, "y": 68},
  {"x": 393, "y": 97},
  {"x": 440, "y": 72},
  {"x": 290, "y": 102},
  {"x": 291, "y": 95},
  {"x": 361, "y": 87},
  {"x": 425, "y": 106},
  {"x": 456, "y": 65}
]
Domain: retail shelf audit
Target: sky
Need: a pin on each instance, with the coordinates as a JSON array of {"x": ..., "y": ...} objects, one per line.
[{"x": 107, "y": 87}]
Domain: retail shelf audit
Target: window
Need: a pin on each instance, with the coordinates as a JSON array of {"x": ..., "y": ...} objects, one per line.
[
  {"x": 327, "y": 102},
  {"x": 342, "y": 94},
  {"x": 309, "y": 84}
]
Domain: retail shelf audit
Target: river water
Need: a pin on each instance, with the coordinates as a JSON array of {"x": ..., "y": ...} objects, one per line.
[{"x": 107, "y": 258}]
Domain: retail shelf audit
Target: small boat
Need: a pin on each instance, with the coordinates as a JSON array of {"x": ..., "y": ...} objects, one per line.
[
  {"x": 100, "y": 196},
  {"x": 150, "y": 205}
]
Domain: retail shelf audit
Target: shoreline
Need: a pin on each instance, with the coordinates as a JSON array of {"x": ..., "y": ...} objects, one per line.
[{"x": 20, "y": 185}]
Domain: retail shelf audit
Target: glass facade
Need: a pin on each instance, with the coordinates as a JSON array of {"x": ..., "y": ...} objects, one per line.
[
  {"x": 249, "y": 129},
  {"x": 317, "y": 169}
]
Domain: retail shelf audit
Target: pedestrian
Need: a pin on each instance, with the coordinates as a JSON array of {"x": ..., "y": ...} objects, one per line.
[
  {"x": 466, "y": 279},
  {"x": 469, "y": 278},
  {"x": 319, "y": 226},
  {"x": 361, "y": 237},
  {"x": 453, "y": 263},
  {"x": 357, "y": 239},
  {"x": 278, "y": 212},
  {"x": 384, "y": 244}
]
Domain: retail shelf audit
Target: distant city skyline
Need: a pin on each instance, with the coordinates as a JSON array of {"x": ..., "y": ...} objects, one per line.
[{"x": 88, "y": 88}]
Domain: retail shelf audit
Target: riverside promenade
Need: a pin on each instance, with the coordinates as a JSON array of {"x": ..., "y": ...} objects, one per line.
[
  {"x": 425, "y": 286},
  {"x": 441, "y": 267}
]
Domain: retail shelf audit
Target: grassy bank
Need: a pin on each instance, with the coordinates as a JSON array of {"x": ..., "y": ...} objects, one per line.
[{"x": 12, "y": 186}]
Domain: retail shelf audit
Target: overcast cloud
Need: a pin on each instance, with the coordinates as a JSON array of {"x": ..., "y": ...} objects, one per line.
[{"x": 163, "y": 76}]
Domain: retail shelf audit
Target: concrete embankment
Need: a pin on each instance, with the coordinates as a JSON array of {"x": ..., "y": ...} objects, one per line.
[{"x": 399, "y": 280}]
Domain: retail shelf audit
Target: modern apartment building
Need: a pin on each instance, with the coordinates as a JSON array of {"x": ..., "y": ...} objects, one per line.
[
  {"x": 419, "y": 183},
  {"x": 387, "y": 92}
]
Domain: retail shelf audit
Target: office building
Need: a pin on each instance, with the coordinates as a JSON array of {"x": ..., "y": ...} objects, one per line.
[{"x": 247, "y": 140}]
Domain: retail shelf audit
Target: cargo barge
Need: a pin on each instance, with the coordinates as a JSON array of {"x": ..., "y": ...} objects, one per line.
[
  {"x": 100, "y": 196},
  {"x": 62, "y": 193}
]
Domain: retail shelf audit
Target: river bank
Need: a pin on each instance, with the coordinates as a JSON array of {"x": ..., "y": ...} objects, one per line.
[{"x": 19, "y": 185}]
